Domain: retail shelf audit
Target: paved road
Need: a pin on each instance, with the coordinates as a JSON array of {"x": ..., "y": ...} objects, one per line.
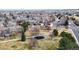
[{"x": 75, "y": 29}]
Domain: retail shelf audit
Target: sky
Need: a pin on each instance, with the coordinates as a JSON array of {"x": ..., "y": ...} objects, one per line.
[{"x": 39, "y": 4}]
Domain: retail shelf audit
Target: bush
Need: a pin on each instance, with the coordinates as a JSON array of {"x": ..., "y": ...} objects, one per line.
[
  {"x": 55, "y": 32},
  {"x": 68, "y": 35},
  {"x": 67, "y": 42}
]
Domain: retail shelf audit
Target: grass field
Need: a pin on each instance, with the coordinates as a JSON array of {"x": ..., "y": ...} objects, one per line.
[{"x": 44, "y": 44}]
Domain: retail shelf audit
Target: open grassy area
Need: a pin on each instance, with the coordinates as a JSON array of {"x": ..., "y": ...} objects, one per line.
[
  {"x": 18, "y": 45},
  {"x": 43, "y": 44}
]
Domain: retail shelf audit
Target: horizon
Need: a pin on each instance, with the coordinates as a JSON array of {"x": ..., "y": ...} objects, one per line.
[{"x": 39, "y": 9}]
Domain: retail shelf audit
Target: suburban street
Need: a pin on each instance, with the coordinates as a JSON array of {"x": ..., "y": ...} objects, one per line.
[{"x": 75, "y": 29}]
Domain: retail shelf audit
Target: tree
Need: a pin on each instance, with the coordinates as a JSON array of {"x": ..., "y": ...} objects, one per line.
[
  {"x": 55, "y": 32},
  {"x": 63, "y": 42},
  {"x": 67, "y": 17},
  {"x": 25, "y": 27},
  {"x": 66, "y": 23},
  {"x": 67, "y": 41},
  {"x": 65, "y": 34},
  {"x": 23, "y": 37}
]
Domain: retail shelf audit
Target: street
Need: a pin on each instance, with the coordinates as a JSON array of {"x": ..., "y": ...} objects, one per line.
[{"x": 75, "y": 29}]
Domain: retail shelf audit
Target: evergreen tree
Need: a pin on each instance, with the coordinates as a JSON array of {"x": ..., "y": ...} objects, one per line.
[
  {"x": 23, "y": 37},
  {"x": 25, "y": 27}
]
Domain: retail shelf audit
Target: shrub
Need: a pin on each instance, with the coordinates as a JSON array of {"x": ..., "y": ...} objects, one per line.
[
  {"x": 55, "y": 32},
  {"x": 67, "y": 42},
  {"x": 68, "y": 35}
]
